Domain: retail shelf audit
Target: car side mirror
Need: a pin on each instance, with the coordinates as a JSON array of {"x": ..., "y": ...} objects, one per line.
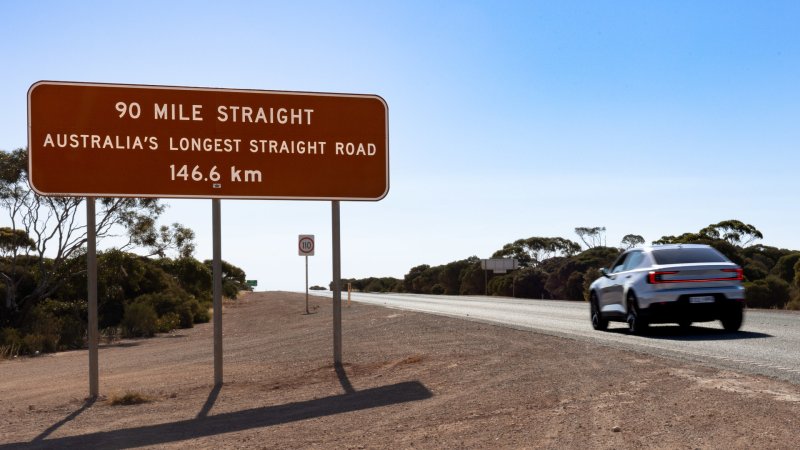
[{"x": 604, "y": 272}]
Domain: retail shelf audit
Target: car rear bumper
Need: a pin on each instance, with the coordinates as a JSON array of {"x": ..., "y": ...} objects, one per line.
[{"x": 683, "y": 309}]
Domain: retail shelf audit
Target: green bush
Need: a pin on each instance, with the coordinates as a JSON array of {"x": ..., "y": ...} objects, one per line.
[
  {"x": 771, "y": 292},
  {"x": 43, "y": 333},
  {"x": 72, "y": 318},
  {"x": 203, "y": 313},
  {"x": 174, "y": 300},
  {"x": 168, "y": 322},
  {"x": 500, "y": 285},
  {"x": 73, "y": 333},
  {"x": 140, "y": 320},
  {"x": 794, "y": 303},
  {"x": 186, "y": 312},
  {"x": 10, "y": 343},
  {"x": 784, "y": 268}
]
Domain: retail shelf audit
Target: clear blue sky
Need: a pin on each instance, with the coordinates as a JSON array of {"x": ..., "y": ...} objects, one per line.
[{"x": 507, "y": 119}]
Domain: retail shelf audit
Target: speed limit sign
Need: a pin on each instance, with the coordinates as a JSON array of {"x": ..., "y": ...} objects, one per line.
[{"x": 305, "y": 245}]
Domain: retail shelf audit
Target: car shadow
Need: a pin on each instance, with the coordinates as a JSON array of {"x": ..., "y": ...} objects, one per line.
[
  {"x": 209, "y": 425},
  {"x": 676, "y": 333}
]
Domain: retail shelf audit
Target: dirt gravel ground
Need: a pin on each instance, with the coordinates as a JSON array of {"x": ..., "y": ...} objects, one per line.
[{"x": 409, "y": 380}]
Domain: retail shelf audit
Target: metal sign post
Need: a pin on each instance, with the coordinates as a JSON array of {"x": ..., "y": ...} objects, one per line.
[
  {"x": 498, "y": 265},
  {"x": 337, "y": 285},
  {"x": 305, "y": 247},
  {"x": 91, "y": 277},
  {"x": 307, "y": 284},
  {"x": 217, "y": 289}
]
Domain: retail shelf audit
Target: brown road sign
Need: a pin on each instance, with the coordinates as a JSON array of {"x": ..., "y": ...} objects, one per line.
[{"x": 112, "y": 140}]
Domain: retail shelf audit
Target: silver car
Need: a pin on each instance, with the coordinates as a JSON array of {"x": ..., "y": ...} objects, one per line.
[{"x": 681, "y": 283}]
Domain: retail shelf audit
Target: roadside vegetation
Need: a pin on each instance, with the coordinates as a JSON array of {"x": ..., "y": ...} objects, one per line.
[
  {"x": 558, "y": 268},
  {"x": 43, "y": 284}
]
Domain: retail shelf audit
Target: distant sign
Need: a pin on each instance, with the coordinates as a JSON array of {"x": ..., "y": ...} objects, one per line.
[
  {"x": 252, "y": 283},
  {"x": 305, "y": 245},
  {"x": 499, "y": 265},
  {"x": 118, "y": 140}
]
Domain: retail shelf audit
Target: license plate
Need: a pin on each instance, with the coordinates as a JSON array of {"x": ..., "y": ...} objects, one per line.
[{"x": 702, "y": 299}]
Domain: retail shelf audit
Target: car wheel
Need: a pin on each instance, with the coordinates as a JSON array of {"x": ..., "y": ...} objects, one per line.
[
  {"x": 598, "y": 322},
  {"x": 732, "y": 320},
  {"x": 685, "y": 324},
  {"x": 636, "y": 323}
]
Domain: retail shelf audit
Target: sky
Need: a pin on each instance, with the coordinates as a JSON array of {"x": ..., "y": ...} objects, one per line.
[{"x": 507, "y": 119}]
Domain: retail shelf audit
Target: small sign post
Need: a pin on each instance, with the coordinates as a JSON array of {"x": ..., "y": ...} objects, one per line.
[
  {"x": 498, "y": 265},
  {"x": 305, "y": 247}
]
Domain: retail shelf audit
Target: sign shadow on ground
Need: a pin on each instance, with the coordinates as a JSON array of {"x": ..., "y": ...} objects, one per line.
[{"x": 203, "y": 426}]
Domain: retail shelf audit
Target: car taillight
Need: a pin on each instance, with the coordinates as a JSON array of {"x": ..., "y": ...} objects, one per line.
[
  {"x": 739, "y": 273},
  {"x": 655, "y": 277}
]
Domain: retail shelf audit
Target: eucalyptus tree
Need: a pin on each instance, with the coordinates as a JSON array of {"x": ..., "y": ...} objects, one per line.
[{"x": 57, "y": 232}]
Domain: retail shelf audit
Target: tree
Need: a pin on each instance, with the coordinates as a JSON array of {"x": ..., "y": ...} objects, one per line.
[
  {"x": 532, "y": 251},
  {"x": 591, "y": 236},
  {"x": 59, "y": 235},
  {"x": 529, "y": 283},
  {"x": 472, "y": 280},
  {"x": 233, "y": 278},
  {"x": 770, "y": 292},
  {"x": 518, "y": 250},
  {"x": 566, "y": 275},
  {"x": 411, "y": 282},
  {"x": 785, "y": 267},
  {"x": 734, "y": 231},
  {"x": 631, "y": 240},
  {"x": 684, "y": 238},
  {"x": 452, "y": 273},
  {"x": 12, "y": 243}
]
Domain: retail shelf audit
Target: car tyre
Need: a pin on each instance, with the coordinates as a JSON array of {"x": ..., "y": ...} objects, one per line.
[
  {"x": 732, "y": 319},
  {"x": 685, "y": 324},
  {"x": 636, "y": 323},
  {"x": 598, "y": 322}
]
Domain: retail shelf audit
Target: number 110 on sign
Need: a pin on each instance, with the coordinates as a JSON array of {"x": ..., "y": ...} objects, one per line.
[{"x": 305, "y": 244}]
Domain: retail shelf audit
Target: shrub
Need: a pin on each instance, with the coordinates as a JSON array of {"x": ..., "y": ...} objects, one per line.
[
  {"x": 10, "y": 343},
  {"x": 129, "y": 398},
  {"x": 73, "y": 333},
  {"x": 140, "y": 320},
  {"x": 203, "y": 313},
  {"x": 43, "y": 333},
  {"x": 771, "y": 292},
  {"x": 71, "y": 318},
  {"x": 784, "y": 268},
  {"x": 574, "y": 287},
  {"x": 168, "y": 322},
  {"x": 500, "y": 285},
  {"x": 794, "y": 304},
  {"x": 172, "y": 301}
]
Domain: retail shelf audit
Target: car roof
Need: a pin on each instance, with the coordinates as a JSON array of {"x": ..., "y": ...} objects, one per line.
[{"x": 650, "y": 248}]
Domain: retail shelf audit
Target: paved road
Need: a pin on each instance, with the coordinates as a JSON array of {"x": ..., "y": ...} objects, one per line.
[{"x": 767, "y": 344}]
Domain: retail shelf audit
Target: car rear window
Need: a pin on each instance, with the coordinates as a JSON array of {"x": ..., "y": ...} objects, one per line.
[{"x": 687, "y": 255}]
